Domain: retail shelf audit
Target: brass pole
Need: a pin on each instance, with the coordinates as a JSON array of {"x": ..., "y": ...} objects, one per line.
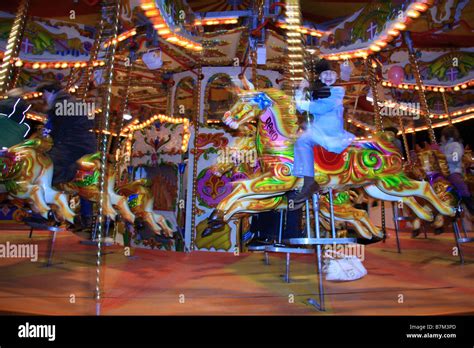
[
  {"x": 195, "y": 156},
  {"x": 446, "y": 108},
  {"x": 123, "y": 107},
  {"x": 254, "y": 68},
  {"x": 16, "y": 77},
  {"x": 405, "y": 140},
  {"x": 70, "y": 81},
  {"x": 421, "y": 94},
  {"x": 372, "y": 68},
  {"x": 84, "y": 85}
]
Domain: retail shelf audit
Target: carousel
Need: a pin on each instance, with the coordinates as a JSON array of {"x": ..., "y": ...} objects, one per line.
[{"x": 252, "y": 157}]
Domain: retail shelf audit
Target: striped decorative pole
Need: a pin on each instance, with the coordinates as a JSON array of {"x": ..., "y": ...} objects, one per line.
[
  {"x": 114, "y": 8},
  {"x": 12, "y": 50},
  {"x": 294, "y": 74}
]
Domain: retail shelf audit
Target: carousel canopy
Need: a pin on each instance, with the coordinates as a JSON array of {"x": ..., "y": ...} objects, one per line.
[{"x": 58, "y": 40}]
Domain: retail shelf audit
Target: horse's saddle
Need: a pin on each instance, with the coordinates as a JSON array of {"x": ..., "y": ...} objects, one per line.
[{"x": 328, "y": 161}]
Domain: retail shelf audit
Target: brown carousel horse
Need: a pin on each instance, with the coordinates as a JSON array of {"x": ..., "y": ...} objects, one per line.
[{"x": 430, "y": 164}]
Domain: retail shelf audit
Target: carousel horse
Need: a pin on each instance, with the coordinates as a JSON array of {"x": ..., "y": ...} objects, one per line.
[
  {"x": 430, "y": 164},
  {"x": 243, "y": 143},
  {"x": 343, "y": 209},
  {"x": 468, "y": 163},
  {"x": 26, "y": 173},
  {"x": 375, "y": 164},
  {"x": 131, "y": 200},
  {"x": 86, "y": 184},
  {"x": 140, "y": 201}
]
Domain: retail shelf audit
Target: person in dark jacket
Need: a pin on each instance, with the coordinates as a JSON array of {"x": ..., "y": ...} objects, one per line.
[
  {"x": 13, "y": 109},
  {"x": 69, "y": 125}
]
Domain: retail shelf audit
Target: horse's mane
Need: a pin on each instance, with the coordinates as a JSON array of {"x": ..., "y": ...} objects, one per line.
[{"x": 287, "y": 122}]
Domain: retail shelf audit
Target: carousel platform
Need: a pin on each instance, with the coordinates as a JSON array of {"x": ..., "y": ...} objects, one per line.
[{"x": 152, "y": 282}]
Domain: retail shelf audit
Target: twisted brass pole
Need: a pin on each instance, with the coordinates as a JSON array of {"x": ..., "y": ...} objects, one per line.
[
  {"x": 446, "y": 108},
  {"x": 84, "y": 85},
  {"x": 405, "y": 140},
  {"x": 12, "y": 48},
  {"x": 421, "y": 95},
  {"x": 372, "y": 69}
]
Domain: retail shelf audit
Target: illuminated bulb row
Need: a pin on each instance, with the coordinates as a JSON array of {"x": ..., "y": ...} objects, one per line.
[
  {"x": 107, "y": 132},
  {"x": 121, "y": 37},
  {"x": 33, "y": 95},
  {"x": 454, "y": 114},
  {"x": 413, "y": 11},
  {"x": 35, "y": 117},
  {"x": 163, "y": 29},
  {"x": 347, "y": 55},
  {"x": 359, "y": 125},
  {"x": 301, "y": 29},
  {"x": 392, "y": 104},
  {"x": 56, "y": 65},
  {"x": 163, "y": 118},
  {"x": 217, "y": 21},
  {"x": 441, "y": 89},
  {"x": 441, "y": 124}
]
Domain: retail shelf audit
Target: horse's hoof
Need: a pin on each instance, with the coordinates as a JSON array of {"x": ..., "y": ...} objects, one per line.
[
  {"x": 211, "y": 229},
  {"x": 415, "y": 233}
]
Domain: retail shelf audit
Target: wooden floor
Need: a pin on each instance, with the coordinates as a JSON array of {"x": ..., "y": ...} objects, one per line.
[{"x": 426, "y": 274}]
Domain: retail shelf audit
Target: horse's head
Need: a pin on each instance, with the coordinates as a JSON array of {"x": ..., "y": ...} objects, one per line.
[
  {"x": 432, "y": 160},
  {"x": 250, "y": 105}
]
